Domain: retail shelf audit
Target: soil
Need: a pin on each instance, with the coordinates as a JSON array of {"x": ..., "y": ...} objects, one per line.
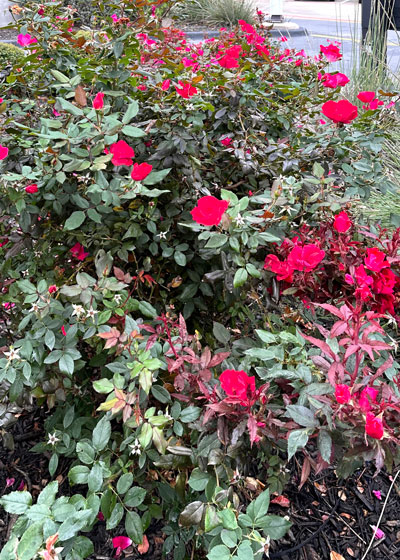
[{"x": 327, "y": 515}]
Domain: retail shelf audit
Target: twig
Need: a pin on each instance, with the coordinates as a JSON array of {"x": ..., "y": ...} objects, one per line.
[
  {"x": 350, "y": 527},
  {"x": 380, "y": 517}
]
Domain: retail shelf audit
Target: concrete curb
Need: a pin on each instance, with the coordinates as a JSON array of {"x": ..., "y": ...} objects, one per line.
[{"x": 11, "y": 42}]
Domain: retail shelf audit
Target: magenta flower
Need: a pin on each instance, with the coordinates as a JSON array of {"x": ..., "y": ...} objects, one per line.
[
  {"x": 120, "y": 543},
  {"x": 377, "y": 494},
  {"x": 26, "y": 40},
  {"x": 9, "y": 482}
]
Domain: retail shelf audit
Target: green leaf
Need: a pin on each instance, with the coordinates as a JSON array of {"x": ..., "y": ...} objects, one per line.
[
  {"x": 16, "y": 502},
  {"x": 156, "y": 177},
  {"x": 147, "y": 309},
  {"x": 192, "y": 514},
  {"x": 66, "y": 364},
  {"x": 221, "y": 333},
  {"x": 240, "y": 278},
  {"x": 228, "y": 519},
  {"x": 296, "y": 440},
  {"x": 59, "y": 76},
  {"x": 101, "y": 434},
  {"x": 124, "y": 483},
  {"x": 85, "y": 452},
  {"x": 103, "y": 385},
  {"x": 216, "y": 241},
  {"x": 69, "y": 107},
  {"x": 133, "y": 131},
  {"x": 266, "y": 336},
  {"x": 160, "y": 393},
  {"x": 302, "y": 415},
  {"x": 8, "y": 550},
  {"x": 190, "y": 414},
  {"x": 211, "y": 519},
  {"x": 95, "y": 478},
  {"x": 318, "y": 170},
  {"x": 229, "y": 538},
  {"x": 115, "y": 517},
  {"x": 135, "y": 496},
  {"x": 258, "y": 507},
  {"x": 48, "y": 494},
  {"x": 275, "y": 526},
  {"x": 198, "y": 480},
  {"x": 253, "y": 271},
  {"x": 38, "y": 512},
  {"x": 72, "y": 525},
  {"x": 325, "y": 445},
  {"x": 219, "y": 552},
  {"x": 31, "y": 541},
  {"x": 131, "y": 112},
  {"x": 134, "y": 527},
  {"x": 49, "y": 339},
  {"x": 78, "y": 474},
  {"x": 53, "y": 464}
]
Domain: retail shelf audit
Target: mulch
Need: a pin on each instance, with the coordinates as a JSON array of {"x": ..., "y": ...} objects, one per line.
[{"x": 328, "y": 515}]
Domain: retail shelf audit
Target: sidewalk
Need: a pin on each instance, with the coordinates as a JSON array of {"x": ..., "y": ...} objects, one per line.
[{"x": 340, "y": 10}]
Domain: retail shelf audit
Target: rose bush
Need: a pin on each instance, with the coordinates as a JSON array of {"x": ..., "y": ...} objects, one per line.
[{"x": 148, "y": 182}]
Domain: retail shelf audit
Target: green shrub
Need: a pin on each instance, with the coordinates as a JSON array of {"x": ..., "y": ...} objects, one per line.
[
  {"x": 10, "y": 55},
  {"x": 216, "y": 13}
]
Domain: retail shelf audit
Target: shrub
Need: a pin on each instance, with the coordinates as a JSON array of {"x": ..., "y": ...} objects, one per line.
[
  {"x": 221, "y": 13},
  {"x": 10, "y": 55},
  {"x": 144, "y": 181}
]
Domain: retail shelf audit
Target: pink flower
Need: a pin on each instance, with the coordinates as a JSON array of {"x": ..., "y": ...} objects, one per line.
[
  {"x": 379, "y": 534},
  {"x": 100, "y": 516},
  {"x": 56, "y": 113},
  {"x": 165, "y": 85},
  {"x": 185, "y": 90},
  {"x": 342, "y": 222},
  {"x": 331, "y": 52},
  {"x": 140, "y": 171},
  {"x": 98, "y": 101},
  {"x": 340, "y": 111},
  {"x": 366, "y": 96},
  {"x": 228, "y": 62},
  {"x": 385, "y": 282},
  {"x": 142, "y": 87},
  {"x": 25, "y": 40},
  {"x": 226, "y": 141},
  {"x": 342, "y": 394},
  {"x": 367, "y": 394},
  {"x": 9, "y": 482},
  {"x": 375, "y": 103},
  {"x": 122, "y": 153},
  {"x": 209, "y": 210},
  {"x": 78, "y": 252},
  {"x": 377, "y": 494},
  {"x": 246, "y": 27},
  {"x": 41, "y": 10},
  {"x": 374, "y": 426},
  {"x": 375, "y": 260},
  {"x": 321, "y": 121},
  {"x": 115, "y": 18},
  {"x": 52, "y": 289},
  {"x": 283, "y": 39},
  {"x": 335, "y": 80},
  {"x": 305, "y": 258},
  {"x": 237, "y": 384},
  {"x": 3, "y": 152},
  {"x": 31, "y": 189}
]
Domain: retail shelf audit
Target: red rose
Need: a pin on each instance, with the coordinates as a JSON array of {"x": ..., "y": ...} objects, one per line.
[
  {"x": 342, "y": 223},
  {"x": 52, "y": 289},
  {"x": 375, "y": 260},
  {"x": 334, "y": 80},
  {"x": 237, "y": 384},
  {"x": 185, "y": 90},
  {"x": 305, "y": 258},
  {"x": 78, "y": 252},
  {"x": 209, "y": 210},
  {"x": 366, "y": 96},
  {"x": 140, "y": 171},
  {"x": 331, "y": 53},
  {"x": 3, "y": 152},
  {"x": 165, "y": 85},
  {"x": 281, "y": 268},
  {"x": 342, "y": 394},
  {"x": 367, "y": 394},
  {"x": 226, "y": 142},
  {"x": 374, "y": 426},
  {"x": 375, "y": 103},
  {"x": 385, "y": 282},
  {"x": 228, "y": 62},
  {"x": 31, "y": 189},
  {"x": 98, "y": 101},
  {"x": 122, "y": 153},
  {"x": 340, "y": 111}
]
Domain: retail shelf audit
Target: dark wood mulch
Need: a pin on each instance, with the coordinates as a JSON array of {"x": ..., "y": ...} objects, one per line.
[{"x": 327, "y": 515}]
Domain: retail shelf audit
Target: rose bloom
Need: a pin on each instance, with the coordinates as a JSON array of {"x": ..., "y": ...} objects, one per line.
[
  {"x": 185, "y": 90},
  {"x": 375, "y": 260},
  {"x": 246, "y": 27},
  {"x": 342, "y": 394},
  {"x": 25, "y": 40},
  {"x": 228, "y": 62},
  {"x": 366, "y": 96},
  {"x": 238, "y": 384},
  {"x": 340, "y": 111},
  {"x": 140, "y": 171},
  {"x": 165, "y": 85},
  {"x": 98, "y": 101},
  {"x": 368, "y": 394},
  {"x": 52, "y": 289},
  {"x": 226, "y": 141},
  {"x": 78, "y": 252},
  {"x": 331, "y": 52},
  {"x": 122, "y": 153},
  {"x": 334, "y": 80},
  {"x": 342, "y": 222},
  {"x": 3, "y": 152},
  {"x": 385, "y": 282},
  {"x": 31, "y": 189},
  {"x": 281, "y": 268},
  {"x": 374, "y": 426},
  {"x": 305, "y": 258},
  {"x": 209, "y": 210}
]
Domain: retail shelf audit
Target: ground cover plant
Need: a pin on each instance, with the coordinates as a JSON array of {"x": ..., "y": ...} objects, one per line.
[{"x": 185, "y": 290}]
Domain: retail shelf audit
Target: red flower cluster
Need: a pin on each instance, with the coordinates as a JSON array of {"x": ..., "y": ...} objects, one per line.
[
  {"x": 123, "y": 154},
  {"x": 185, "y": 90},
  {"x": 371, "y": 102},
  {"x": 238, "y": 386},
  {"x": 363, "y": 401},
  {"x": 331, "y": 52},
  {"x": 302, "y": 258},
  {"x": 230, "y": 56}
]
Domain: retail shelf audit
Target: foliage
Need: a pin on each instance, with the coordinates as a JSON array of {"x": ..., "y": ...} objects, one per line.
[
  {"x": 221, "y": 13},
  {"x": 10, "y": 55},
  {"x": 144, "y": 181}
]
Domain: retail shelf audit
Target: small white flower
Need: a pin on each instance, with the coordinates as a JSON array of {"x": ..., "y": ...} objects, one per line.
[
  {"x": 78, "y": 310},
  {"x": 12, "y": 354},
  {"x": 53, "y": 439},
  {"x": 136, "y": 448},
  {"x": 163, "y": 235},
  {"x": 91, "y": 313},
  {"x": 117, "y": 298},
  {"x": 239, "y": 220},
  {"x": 34, "y": 309}
]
